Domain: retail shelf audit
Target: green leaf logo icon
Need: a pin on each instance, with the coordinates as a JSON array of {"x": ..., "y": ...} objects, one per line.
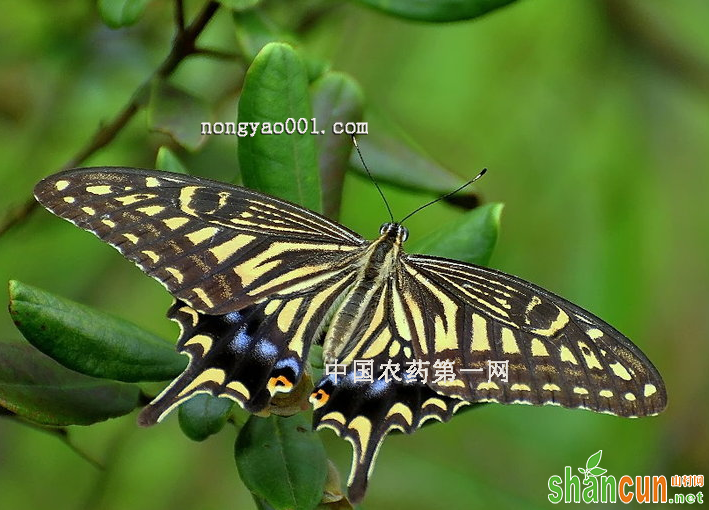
[{"x": 592, "y": 469}]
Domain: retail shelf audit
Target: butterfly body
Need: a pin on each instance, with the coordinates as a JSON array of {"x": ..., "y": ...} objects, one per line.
[
  {"x": 259, "y": 280},
  {"x": 377, "y": 267}
]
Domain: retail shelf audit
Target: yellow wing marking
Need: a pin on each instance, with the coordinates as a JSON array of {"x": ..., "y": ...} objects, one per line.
[
  {"x": 151, "y": 182},
  {"x": 594, "y": 333},
  {"x": 295, "y": 274},
  {"x": 534, "y": 302},
  {"x": 89, "y": 210},
  {"x": 256, "y": 266},
  {"x": 227, "y": 249},
  {"x": 287, "y": 314},
  {"x": 176, "y": 222},
  {"x": 239, "y": 388},
  {"x": 201, "y": 235},
  {"x": 561, "y": 320},
  {"x": 179, "y": 277},
  {"x": 272, "y": 306},
  {"x": 445, "y": 337},
  {"x": 363, "y": 426},
  {"x": 69, "y": 200},
  {"x": 606, "y": 393},
  {"x": 450, "y": 383},
  {"x": 479, "y": 285},
  {"x": 152, "y": 255},
  {"x": 551, "y": 387},
  {"x": 402, "y": 410},
  {"x": 620, "y": 371},
  {"x": 131, "y": 237},
  {"x": 418, "y": 320},
  {"x": 538, "y": 348},
  {"x": 580, "y": 391},
  {"x": 487, "y": 386},
  {"x": 520, "y": 387},
  {"x": 213, "y": 375},
  {"x": 185, "y": 198},
  {"x": 480, "y": 340},
  {"x": 297, "y": 342},
  {"x": 434, "y": 402},
  {"x": 132, "y": 199},
  {"x": 335, "y": 416},
  {"x": 151, "y": 210},
  {"x": 402, "y": 325},
  {"x": 377, "y": 319},
  {"x": 567, "y": 355},
  {"x": 589, "y": 357},
  {"x": 630, "y": 396},
  {"x": 379, "y": 344},
  {"x": 203, "y": 340},
  {"x": 99, "y": 190},
  {"x": 649, "y": 390},
  {"x": 191, "y": 313},
  {"x": 509, "y": 342},
  {"x": 109, "y": 223},
  {"x": 61, "y": 185},
  {"x": 203, "y": 296}
]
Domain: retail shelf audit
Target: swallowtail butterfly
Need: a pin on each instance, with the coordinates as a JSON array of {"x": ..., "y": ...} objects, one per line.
[{"x": 258, "y": 280}]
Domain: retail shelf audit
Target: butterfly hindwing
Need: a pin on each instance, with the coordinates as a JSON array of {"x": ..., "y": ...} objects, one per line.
[
  {"x": 215, "y": 246},
  {"x": 363, "y": 413},
  {"x": 248, "y": 355}
]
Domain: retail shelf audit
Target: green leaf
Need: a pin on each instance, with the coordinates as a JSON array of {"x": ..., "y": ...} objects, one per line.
[
  {"x": 471, "y": 239},
  {"x": 204, "y": 415},
  {"x": 121, "y": 13},
  {"x": 285, "y": 165},
  {"x": 394, "y": 159},
  {"x": 167, "y": 160},
  {"x": 282, "y": 461},
  {"x": 336, "y": 97},
  {"x": 89, "y": 341},
  {"x": 439, "y": 10},
  {"x": 594, "y": 460},
  {"x": 239, "y": 5},
  {"x": 39, "y": 389},
  {"x": 177, "y": 113},
  {"x": 596, "y": 471}
]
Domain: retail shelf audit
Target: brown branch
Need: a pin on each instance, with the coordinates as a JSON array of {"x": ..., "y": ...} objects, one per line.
[
  {"x": 220, "y": 55},
  {"x": 61, "y": 433},
  {"x": 182, "y": 47},
  {"x": 180, "y": 16}
]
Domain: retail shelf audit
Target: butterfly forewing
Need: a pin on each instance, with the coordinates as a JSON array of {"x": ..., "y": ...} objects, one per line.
[
  {"x": 557, "y": 353},
  {"x": 218, "y": 247}
]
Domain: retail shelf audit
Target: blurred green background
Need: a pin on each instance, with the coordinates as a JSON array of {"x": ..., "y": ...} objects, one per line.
[{"x": 593, "y": 119}]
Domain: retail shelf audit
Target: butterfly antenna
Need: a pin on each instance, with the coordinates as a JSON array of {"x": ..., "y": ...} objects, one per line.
[
  {"x": 354, "y": 141},
  {"x": 482, "y": 172}
]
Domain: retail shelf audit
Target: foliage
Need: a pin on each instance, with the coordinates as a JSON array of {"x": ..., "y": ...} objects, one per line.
[
  {"x": 499, "y": 93},
  {"x": 279, "y": 459}
]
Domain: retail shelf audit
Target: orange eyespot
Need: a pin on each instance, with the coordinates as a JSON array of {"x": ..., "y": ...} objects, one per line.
[
  {"x": 279, "y": 384},
  {"x": 319, "y": 398}
]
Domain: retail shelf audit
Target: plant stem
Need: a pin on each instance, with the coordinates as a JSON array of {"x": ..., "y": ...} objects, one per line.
[{"x": 182, "y": 47}]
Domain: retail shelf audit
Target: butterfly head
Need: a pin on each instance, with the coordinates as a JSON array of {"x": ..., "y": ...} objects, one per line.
[{"x": 394, "y": 231}]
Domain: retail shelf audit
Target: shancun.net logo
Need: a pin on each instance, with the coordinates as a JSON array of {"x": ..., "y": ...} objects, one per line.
[{"x": 597, "y": 487}]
